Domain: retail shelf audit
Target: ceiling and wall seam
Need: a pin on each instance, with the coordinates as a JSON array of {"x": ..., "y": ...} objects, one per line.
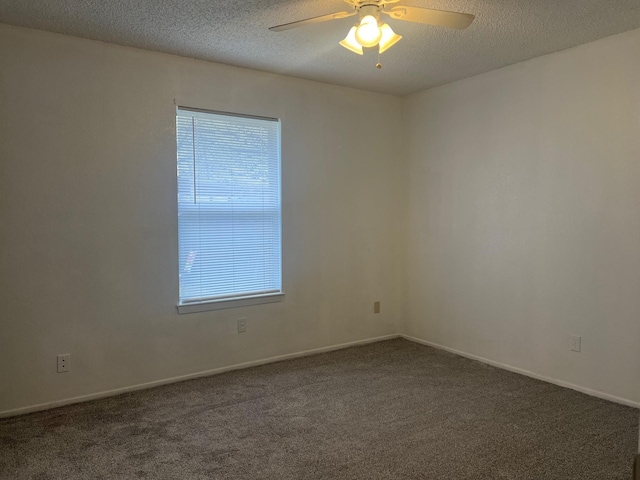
[{"x": 236, "y": 33}]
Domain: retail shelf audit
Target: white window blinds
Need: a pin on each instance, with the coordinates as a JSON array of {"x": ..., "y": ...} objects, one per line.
[{"x": 228, "y": 206}]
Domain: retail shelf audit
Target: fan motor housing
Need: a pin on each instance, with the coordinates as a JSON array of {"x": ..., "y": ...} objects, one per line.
[{"x": 369, "y": 9}]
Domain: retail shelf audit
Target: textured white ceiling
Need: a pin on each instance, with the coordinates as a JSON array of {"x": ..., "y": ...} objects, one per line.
[{"x": 235, "y": 32}]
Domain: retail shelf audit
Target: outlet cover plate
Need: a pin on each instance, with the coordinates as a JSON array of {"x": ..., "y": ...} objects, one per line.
[
  {"x": 242, "y": 325},
  {"x": 64, "y": 362},
  {"x": 576, "y": 343}
]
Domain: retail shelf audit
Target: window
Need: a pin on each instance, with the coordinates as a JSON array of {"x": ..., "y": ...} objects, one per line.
[{"x": 229, "y": 219}]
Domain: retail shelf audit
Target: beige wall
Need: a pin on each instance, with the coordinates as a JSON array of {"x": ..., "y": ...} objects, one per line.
[
  {"x": 496, "y": 216},
  {"x": 524, "y": 216},
  {"x": 88, "y": 225}
]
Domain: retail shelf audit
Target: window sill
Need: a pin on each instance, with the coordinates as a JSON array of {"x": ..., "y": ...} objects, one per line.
[{"x": 230, "y": 303}]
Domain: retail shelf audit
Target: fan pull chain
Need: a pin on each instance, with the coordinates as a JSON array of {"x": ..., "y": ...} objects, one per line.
[{"x": 378, "y": 65}]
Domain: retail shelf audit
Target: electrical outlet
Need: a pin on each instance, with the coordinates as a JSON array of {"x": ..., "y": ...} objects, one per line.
[
  {"x": 576, "y": 343},
  {"x": 242, "y": 325},
  {"x": 376, "y": 307},
  {"x": 64, "y": 362}
]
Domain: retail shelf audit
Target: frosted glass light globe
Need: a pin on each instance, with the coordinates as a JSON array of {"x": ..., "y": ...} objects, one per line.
[{"x": 368, "y": 33}]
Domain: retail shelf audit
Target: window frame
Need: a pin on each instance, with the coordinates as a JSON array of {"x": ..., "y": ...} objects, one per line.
[{"x": 235, "y": 301}]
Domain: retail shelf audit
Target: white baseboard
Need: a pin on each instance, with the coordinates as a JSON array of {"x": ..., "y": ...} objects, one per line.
[
  {"x": 504, "y": 366},
  {"x": 206, "y": 373},
  {"x": 305, "y": 353}
]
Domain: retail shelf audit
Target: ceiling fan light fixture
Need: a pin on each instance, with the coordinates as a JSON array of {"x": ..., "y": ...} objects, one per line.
[
  {"x": 350, "y": 42},
  {"x": 388, "y": 39},
  {"x": 368, "y": 33}
]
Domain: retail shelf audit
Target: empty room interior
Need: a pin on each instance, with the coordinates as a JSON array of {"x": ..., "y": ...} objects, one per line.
[{"x": 340, "y": 239}]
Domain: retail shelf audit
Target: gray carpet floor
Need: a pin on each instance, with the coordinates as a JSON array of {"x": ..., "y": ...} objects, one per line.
[{"x": 390, "y": 410}]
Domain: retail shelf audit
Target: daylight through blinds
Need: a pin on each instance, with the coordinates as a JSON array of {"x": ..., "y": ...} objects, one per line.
[{"x": 228, "y": 206}]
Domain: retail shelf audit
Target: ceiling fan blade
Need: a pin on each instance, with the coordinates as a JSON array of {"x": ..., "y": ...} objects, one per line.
[
  {"x": 312, "y": 20},
  {"x": 429, "y": 16}
]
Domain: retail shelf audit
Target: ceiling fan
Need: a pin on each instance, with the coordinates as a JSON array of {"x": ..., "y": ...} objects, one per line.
[{"x": 371, "y": 31}]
